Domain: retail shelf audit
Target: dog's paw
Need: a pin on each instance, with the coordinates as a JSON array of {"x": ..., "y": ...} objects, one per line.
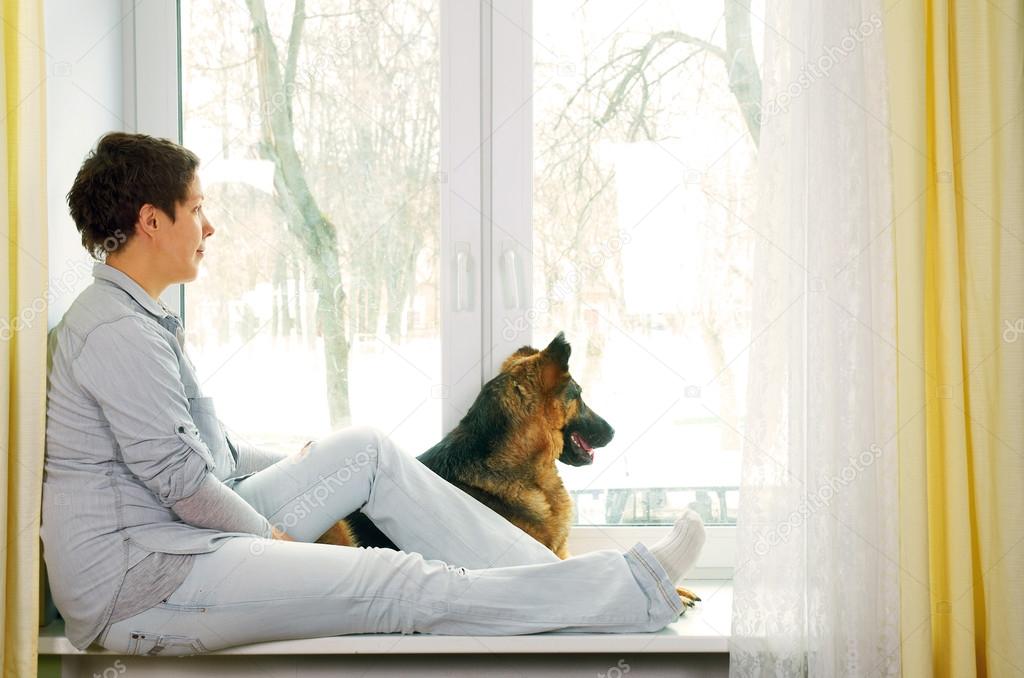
[{"x": 688, "y": 597}]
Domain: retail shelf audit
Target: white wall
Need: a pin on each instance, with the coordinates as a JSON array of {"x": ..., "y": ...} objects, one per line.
[{"x": 84, "y": 99}]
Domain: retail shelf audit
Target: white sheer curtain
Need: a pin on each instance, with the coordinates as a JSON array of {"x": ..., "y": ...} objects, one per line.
[{"x": 816, "y": 576}]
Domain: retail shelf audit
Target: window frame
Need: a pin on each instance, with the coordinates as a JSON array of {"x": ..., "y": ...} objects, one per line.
[{"x": 486, "y": 141}]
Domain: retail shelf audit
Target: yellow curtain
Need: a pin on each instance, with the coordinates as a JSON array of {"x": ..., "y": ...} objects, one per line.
[
  {"x": 23, "y": 323},
  {"x": 956, "y": 73}
]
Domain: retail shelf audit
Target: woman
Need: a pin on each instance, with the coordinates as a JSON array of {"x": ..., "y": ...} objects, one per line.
[{"x": 162, "y": 535}]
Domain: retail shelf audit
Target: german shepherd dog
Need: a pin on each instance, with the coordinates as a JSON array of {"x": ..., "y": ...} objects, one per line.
[{"x": 503, "y": 452}]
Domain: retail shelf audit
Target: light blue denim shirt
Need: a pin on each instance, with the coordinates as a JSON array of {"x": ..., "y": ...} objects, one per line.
[{"x": 128, "y": 434}]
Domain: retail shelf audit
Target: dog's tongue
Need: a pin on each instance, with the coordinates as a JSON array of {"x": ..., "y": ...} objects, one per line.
[{"x": 582, "y": 442}]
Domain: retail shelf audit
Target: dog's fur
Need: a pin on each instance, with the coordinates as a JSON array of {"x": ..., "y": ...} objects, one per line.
[{"x": 504, "y": 450}]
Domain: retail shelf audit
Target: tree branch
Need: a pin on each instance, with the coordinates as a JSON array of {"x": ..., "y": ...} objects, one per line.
[{"x": 737, "y": 57}]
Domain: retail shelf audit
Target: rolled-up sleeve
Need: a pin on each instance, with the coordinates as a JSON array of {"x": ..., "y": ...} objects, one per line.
[{"x": 132, "y": 373}]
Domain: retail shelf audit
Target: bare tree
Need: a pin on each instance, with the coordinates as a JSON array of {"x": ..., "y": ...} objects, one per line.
[{"x": 314, "y": 231}]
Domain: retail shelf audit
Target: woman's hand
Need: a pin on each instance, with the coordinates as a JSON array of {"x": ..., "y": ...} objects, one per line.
[{"x": 279, "y": 534}]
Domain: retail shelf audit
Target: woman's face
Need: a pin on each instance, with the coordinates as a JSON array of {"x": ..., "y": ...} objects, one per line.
[{"x": 186, "y": 237}]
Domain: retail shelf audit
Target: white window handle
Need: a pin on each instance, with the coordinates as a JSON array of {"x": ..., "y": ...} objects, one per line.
[
  {"x": 463, "y": 276},
  {"x": 512, "y": 279}
]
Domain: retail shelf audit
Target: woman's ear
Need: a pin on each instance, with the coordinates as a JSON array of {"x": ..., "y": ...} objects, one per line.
[{"x": 148, "y": 221}]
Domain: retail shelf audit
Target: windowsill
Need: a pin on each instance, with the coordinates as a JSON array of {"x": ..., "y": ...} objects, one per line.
[{"x": 705, "y": 628}]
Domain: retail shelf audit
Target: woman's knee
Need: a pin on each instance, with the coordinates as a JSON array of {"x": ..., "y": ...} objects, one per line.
[
  {"x": 354, "y": 450},
  {"x": 373, "y": 442}
]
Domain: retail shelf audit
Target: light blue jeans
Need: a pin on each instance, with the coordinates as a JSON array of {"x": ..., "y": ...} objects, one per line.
[{"x": 463, "y": 570}]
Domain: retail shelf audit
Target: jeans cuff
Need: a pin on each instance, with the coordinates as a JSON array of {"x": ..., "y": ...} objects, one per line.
[{"x": 653, "y": 579}]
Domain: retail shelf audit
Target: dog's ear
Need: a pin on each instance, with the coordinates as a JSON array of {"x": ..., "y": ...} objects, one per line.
[
  {"x": 558, "y": 351},
  {"x": 556, "y": 361}
]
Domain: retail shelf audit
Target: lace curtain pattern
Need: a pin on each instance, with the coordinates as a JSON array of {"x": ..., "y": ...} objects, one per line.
[{"x": 816, "y": 573}]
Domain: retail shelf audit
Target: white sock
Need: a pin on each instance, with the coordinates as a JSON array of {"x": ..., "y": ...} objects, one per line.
[{"x": 678, "y": 551}]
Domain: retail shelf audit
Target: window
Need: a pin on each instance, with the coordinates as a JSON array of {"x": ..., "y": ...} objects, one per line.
[
  {"x": 643, "y": 178},
  {"x": 319, "y": 140},
  {"x": 433, "y": 183}
]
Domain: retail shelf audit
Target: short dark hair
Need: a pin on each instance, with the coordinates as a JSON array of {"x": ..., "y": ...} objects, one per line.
[{"x": 123, "y": 173}]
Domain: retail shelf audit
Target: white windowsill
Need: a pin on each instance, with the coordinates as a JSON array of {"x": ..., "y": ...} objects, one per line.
[{"x": 705, "y": 628}]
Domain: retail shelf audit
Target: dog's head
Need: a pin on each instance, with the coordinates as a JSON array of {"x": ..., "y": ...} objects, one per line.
[{"x": 547, "y": 396}]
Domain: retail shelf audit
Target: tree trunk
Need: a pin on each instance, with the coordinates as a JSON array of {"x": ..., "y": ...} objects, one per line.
[
  {"x": 744, "y": 78},
  {"x": 396, "y": 304},
  {"x": 297, "y": 312},
  {"x": 314, "y": 231},
  {"x": 330, "y": 317},
  {"x": 400, "y": 290},
  {"x": 279, "y": 300},
  {"x": 373, "y": 304}
]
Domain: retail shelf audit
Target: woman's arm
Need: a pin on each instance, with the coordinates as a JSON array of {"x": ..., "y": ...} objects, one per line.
[
  {"x": 133, "y": 375},
  {"x": 219, "y": 508}
]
